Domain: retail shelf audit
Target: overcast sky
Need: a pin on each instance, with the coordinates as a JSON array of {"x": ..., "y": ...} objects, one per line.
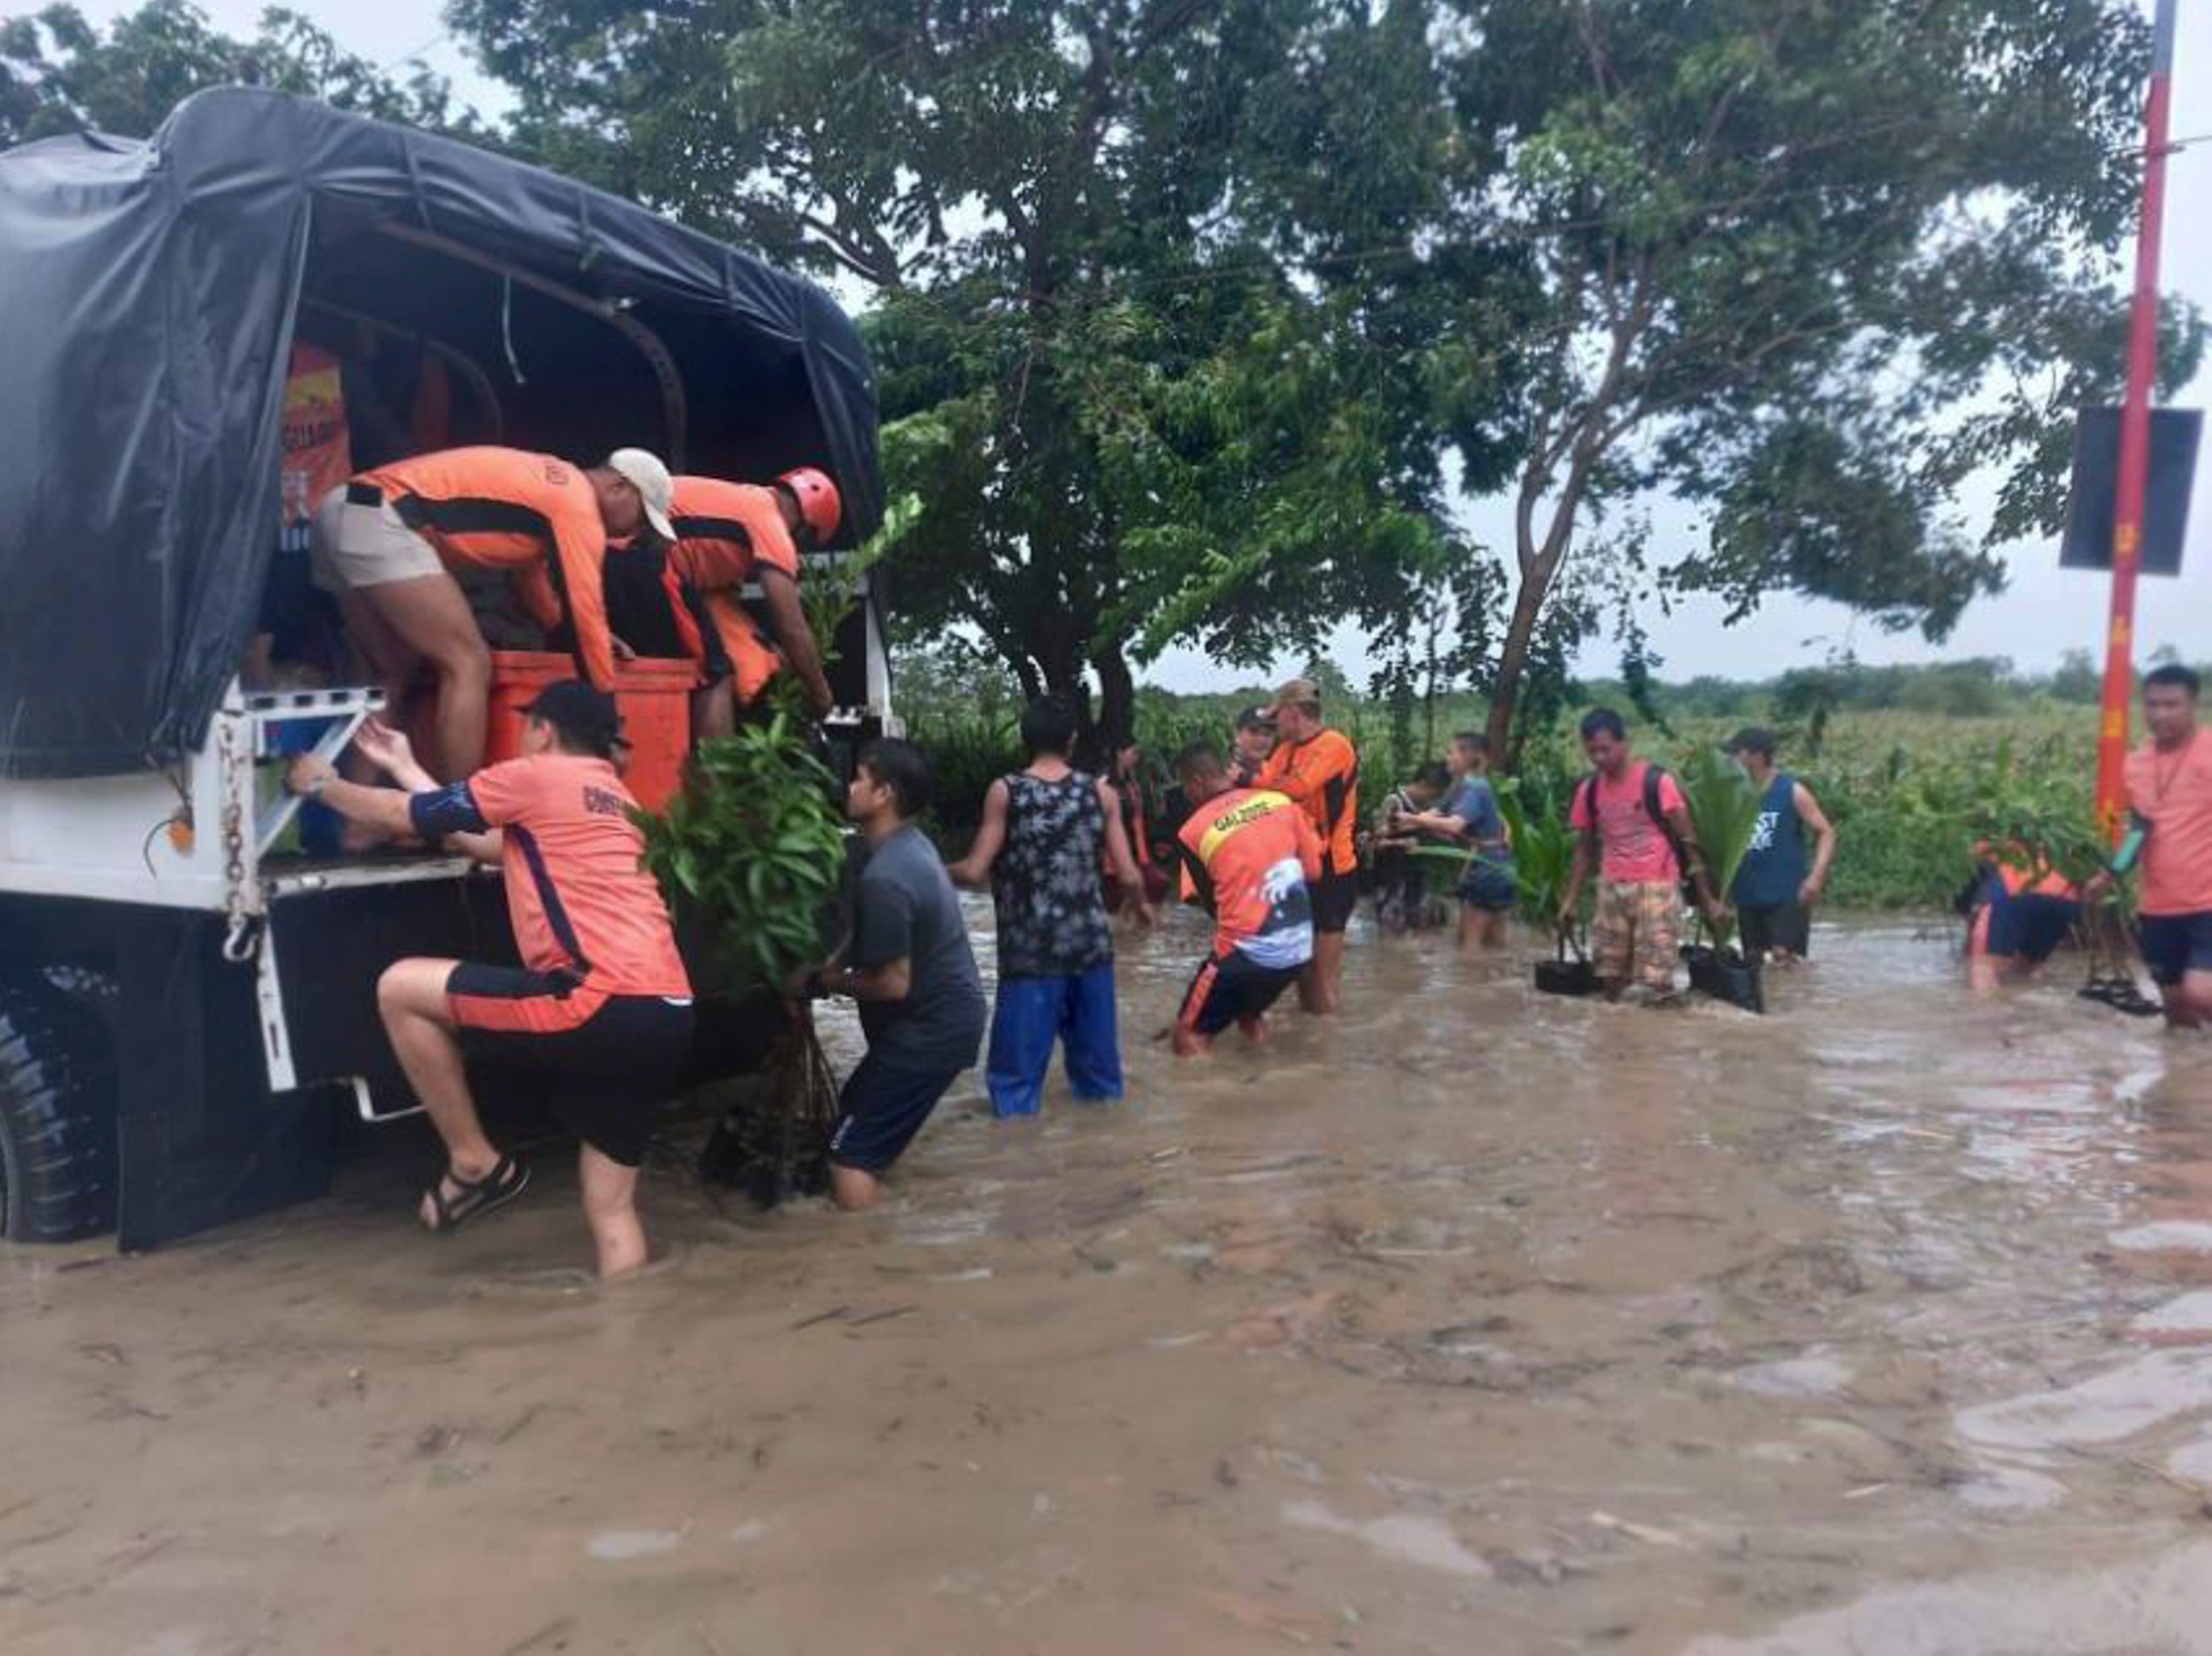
[{"x": 2044, "y": 613}]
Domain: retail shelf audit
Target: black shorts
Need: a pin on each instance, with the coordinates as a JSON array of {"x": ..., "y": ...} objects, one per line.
[
  {"x": 880, "y": 1110},
  {"x": 606, "y": 1061},
  {"x": 1775, "y": 926},
  {"x": 1333, "y": 897},
  {"x": 2175, "y": 944},
  {"x": 1230, "y": 987},
  {"x": 2030, "y": 926}
]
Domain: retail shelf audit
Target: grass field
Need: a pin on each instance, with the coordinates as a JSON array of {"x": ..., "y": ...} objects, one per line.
[{"x": 1905, "y": 789}]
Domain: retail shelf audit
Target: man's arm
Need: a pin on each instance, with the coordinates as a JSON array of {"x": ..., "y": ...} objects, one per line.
[
  {"x": 1119, "y": 859},
  {"x": 1578, "y": 872},
  {"x": 891, "y": 981},
  {"x": 974, "y": 868},
  {"x": 1330, "y": 761},
  {"x": 1824, "y": 843},
  {"x": 389, "y": 751},
  {"x": 385, "y": 809},
  {"x": 1197, "y": 885},
  {"x": 787, "y": 619},
  {"x": 580, "y": 548}
]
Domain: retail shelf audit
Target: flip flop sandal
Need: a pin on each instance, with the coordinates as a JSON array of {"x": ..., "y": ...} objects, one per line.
[
  {"x": 2122, "y": 994},
  {"x": 506, "y": 1180}
]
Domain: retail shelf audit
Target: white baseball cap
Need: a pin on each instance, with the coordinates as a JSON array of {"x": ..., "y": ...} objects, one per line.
[{"x": 644, "y": 472}]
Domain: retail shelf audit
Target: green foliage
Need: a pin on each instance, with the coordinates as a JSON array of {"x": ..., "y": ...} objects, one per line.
[
  {"x": 755, "y": 846},
  {"x": 1792, "y": 263},
  {"x": 59, "y": 74},
  {"x": 1724, "y": 809},
  {"x": 1142, "y": 371},
  {"x": 1543, "y": 851}
]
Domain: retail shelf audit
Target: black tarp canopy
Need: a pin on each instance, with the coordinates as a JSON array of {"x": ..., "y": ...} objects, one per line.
[{"x": 149, "y": 295}]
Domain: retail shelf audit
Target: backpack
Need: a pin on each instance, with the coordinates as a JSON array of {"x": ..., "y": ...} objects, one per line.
[{"x": 1654, "y": 774}]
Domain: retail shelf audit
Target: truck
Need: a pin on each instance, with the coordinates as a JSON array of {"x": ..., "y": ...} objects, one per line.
[{"x": 188, "y": 1030}]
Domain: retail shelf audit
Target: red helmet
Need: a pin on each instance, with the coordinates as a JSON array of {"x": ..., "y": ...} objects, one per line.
[{"x": 818, "y": 506}]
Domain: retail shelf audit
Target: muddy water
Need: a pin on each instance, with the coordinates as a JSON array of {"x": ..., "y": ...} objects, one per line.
[{"x": 1473, "y": 1323}]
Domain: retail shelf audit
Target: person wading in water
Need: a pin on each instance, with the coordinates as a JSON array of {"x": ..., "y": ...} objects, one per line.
[
  {"x": 2169, "y": 782},
  {"x": 1778, "y": 884},
  {"x": 1469, "y": 817},
  {"x": 1039, "y": 847},
  {"x": 1630, "y": 818}
]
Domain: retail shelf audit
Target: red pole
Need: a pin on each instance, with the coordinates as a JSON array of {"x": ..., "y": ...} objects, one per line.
[{"x": 2134, "y": 433}]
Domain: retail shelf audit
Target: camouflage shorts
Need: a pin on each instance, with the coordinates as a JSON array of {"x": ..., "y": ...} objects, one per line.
[{"x": 1638, "y": 934}]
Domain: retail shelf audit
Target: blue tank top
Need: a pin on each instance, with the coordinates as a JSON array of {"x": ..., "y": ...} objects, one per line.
[{"x": 1776, "y": 866}]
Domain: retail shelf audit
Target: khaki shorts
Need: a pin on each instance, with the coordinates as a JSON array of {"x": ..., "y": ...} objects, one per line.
[
  {"x": 1638, "y": 934},
  {"x": 356, "y": 546}
]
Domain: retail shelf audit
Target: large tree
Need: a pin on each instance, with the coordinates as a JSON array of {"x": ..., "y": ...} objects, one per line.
[
  {"x": 1809, "y": 265},
  {"x": 1136, "y": 414},
  {"x": 60, "y": 74}
]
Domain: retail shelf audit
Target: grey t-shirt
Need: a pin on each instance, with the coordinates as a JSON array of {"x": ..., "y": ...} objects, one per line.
[{"x": 908, "y": 910}]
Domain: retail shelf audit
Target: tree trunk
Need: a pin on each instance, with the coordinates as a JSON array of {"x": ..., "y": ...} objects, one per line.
[
  {"x": 1535, "y": 586},
  {"x": 1117, "y": 702}
]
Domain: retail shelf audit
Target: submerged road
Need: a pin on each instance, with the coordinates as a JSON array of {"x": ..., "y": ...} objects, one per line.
[{"x": 1474, "y": 1321}]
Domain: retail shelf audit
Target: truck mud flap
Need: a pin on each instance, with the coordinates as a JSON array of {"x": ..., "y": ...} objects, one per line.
[
  {"x": 200, "y": 1140},
  {"x": 331, "y": 946}
]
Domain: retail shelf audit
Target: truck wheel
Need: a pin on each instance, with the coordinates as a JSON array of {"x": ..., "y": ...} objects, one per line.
[{"x": 57, "y": 1114}]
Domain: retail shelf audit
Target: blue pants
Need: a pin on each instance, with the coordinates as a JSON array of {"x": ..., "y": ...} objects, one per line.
[{"x": 1030, "y": 1011}]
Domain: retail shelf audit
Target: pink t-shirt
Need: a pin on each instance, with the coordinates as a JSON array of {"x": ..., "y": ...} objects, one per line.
[
  {"x": 2173, "y": 792},
  {"x": 1635, "y": 848}
]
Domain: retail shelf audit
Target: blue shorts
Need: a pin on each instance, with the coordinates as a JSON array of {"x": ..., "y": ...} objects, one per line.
[
  {"x": 881, "y": 1109},
  {"x": 1490, "y": 887},
  {"x": 2175, "y": 944}
]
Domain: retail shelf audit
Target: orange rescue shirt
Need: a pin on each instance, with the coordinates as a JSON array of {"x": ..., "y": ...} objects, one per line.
[
  {"x": 579, "y": 899},
  {"x": 725, "y": 533},
  {"x": 1256, "y": 851},
  {"x": 2173, "y": 792},
  {"x": 1322, "y": 774},
  {"x": 506, "y": 509}
]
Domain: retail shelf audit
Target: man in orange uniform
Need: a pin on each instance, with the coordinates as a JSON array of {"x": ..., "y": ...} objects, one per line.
[
  {"x": 1317, "y": 768},
  {"x": 600, "y": 1010},
  {"x": 729, "y": 533},
  {"x": 1250, "y": 856},
  {"x": 387, "y": 543}
]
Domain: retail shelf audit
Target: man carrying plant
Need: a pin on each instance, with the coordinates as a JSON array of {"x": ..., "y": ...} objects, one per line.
[
  {"x": 1632, "y": 822},
  {"x": 909, "y": 967},
  {"x": 2169, "y": 790},
  {"x": 1777, "y": 884},
  {"x": 1044, "y": 832},
  {"x": 600, "y": 1009},
  {"x": 1251, "y": 856},
  {"x": 1470, "y": 819},
  {"x": 1317, "y": 769}
]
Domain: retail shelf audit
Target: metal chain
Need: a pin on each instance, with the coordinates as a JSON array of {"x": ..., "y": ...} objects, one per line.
[{"x": 241, "y": 937}]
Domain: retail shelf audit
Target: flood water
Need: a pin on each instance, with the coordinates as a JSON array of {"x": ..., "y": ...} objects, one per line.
[{"x": 1475, "y": 1322}]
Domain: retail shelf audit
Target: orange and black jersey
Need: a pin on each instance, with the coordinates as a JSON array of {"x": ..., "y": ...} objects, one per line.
[
  {"x": 1323, "y": 774},
  {"x": 506, "y": 509},
  {"x": 726, "y": 534},
  {"x": 1248, "y": 854}
]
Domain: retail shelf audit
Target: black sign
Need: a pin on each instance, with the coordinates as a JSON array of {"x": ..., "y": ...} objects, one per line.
[{"x": 2173, "y": 437}]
